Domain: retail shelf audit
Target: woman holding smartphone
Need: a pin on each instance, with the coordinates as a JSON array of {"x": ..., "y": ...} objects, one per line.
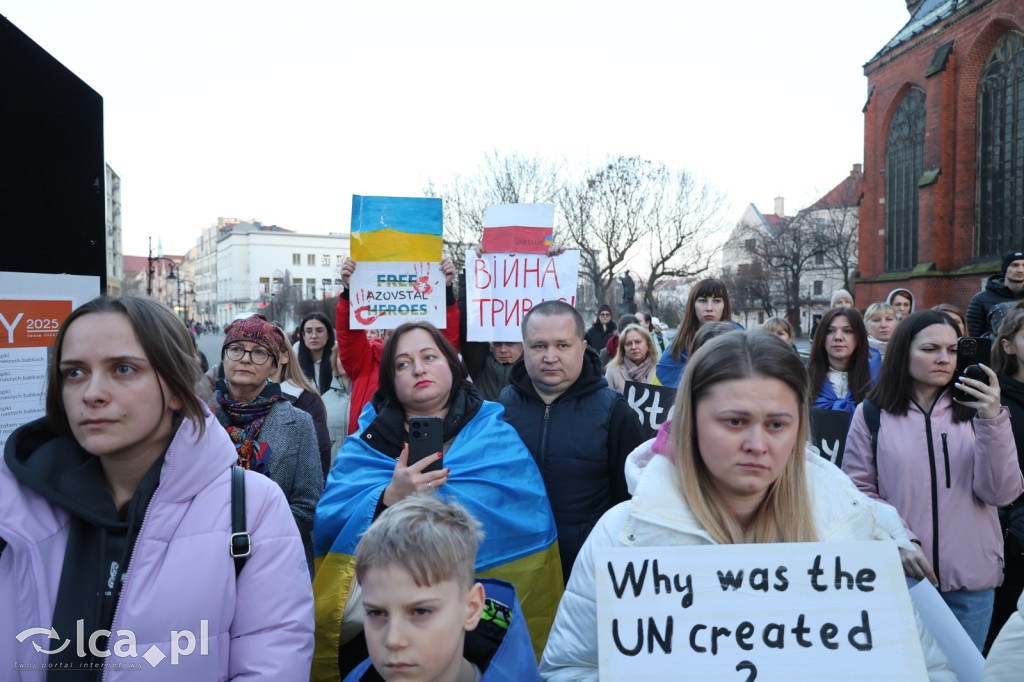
[
  {"x": 485, "y": 467},
  {"x": 963, "y": 449}
]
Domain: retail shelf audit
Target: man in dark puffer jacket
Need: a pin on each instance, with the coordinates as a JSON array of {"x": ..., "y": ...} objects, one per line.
[
  {"x": 988, "y": 307},
  {"x": 578, "y": 429}
]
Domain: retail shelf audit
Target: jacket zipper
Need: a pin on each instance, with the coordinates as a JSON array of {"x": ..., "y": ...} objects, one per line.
[
  {"x": 131, "y": 561},
  {"x": 945, "y": 456},
  {"x": 543, "y": 450},
  {"x": 935, "y": 496}
]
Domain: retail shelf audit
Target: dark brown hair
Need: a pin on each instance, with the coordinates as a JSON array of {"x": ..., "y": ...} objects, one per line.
[
  {"x": 858, "y": 370},
  {"x": 386, "y": 375},
  {"x": 892, "y": 392},
  {"x": 690, "y": 324},
  {"x": 164, "y": 339}
]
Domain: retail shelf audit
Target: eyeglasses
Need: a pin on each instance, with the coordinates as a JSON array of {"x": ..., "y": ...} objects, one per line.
[
  {"x": 258, "y": 356},
  {"x": 319, "y": 331}
]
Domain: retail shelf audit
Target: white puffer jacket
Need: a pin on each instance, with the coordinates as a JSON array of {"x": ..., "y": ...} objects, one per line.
[
  {"x": 658, "y": 516},
  {"x": 1005, "y": 662}
]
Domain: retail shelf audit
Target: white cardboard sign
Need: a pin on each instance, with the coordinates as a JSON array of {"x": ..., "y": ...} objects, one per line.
[
  {"x": 786, "y": 612},
  {"x": 502, "y": 287},
  {"x": 383, "y": 295}
]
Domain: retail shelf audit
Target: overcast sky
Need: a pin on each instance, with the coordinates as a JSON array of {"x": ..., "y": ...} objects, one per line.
[{"x": 280, "y": 111}]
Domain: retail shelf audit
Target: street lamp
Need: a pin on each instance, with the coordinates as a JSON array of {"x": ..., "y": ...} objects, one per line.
[
  {"x": 182, "y": 281},
  {"x": 149, "y": 268}
]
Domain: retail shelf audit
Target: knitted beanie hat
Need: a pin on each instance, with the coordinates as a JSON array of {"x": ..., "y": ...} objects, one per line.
[{"x": 1011, "y": 256}]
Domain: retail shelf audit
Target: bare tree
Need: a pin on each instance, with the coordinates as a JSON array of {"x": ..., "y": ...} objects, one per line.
[
  {"x": 751, "y": 286},
  {"x": 786, "y": 254},
  {"x": 681, "y": 213},
  {"x": 836, "y": 224},
  {"x": 500, "y": 179},
  {"x": 605, "y": 216}
]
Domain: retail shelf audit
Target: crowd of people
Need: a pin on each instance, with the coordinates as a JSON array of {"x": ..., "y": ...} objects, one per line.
[{"x": 272, "y": 501}]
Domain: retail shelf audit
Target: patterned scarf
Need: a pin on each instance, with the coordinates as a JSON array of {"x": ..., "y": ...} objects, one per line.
[
  {"x": 246, "y": 420},
  {"x": 639, "y": 373}
]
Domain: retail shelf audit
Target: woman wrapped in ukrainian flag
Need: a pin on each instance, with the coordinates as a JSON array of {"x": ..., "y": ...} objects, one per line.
[{"x": 485, "y": 467}]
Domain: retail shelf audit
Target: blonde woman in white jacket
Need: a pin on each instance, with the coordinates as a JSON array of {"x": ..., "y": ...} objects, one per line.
[{"x": 738, "y": 434}]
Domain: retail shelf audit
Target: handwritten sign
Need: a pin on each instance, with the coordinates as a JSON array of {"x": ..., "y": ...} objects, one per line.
[
  {"x": 828, "y": 433},
  {"x": 786, "y": 612},
  {"x": 651, "y": 404},
  {"x": 383, "y": 295},
  {"x": 501, "y": 289}
]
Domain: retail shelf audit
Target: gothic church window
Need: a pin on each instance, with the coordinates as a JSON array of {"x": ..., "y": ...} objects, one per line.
[
  {"x": 904, "y": 164},
  {"x": 1000, "y": 162}
]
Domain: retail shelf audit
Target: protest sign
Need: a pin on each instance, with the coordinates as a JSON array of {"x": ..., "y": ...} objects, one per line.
[
  {"x": 828, "y": 433},
  {"x": 396, "y": 243},
  {"x": 786, "y": 612},
  {"x": 501, "y": 288},
  {"x": 651, "y": 404},
  {"x": 383, "y": 295},
  {"x": 32, "y": 309},
  {"x": 396, "y": 229},
  {"x": 519, "y": 228}
]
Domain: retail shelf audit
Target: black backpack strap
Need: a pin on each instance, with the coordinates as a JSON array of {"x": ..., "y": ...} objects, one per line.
[
  {"x": 241, "y": 542},
  {"x": 873, "y": 418}
]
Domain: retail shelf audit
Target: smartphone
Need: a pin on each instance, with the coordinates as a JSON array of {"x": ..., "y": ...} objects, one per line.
[
  {"x": 426, "y": 438},
  {"x": 972, "y": 351},
  {"x": 971, "y": 372}
]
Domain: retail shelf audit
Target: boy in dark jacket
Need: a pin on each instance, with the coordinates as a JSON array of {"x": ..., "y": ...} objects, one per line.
[{"x": 426, "y": 616}]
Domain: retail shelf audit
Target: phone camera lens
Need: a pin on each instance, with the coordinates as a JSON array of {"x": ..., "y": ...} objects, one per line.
[
  {"x": 426, "y": 435},
  {"x": 415, "y": 434}
]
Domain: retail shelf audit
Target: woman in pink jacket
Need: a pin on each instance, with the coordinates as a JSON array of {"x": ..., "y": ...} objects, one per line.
[
  {"x": 115, "y": 518},
  {"x": 944, "y": 464}
]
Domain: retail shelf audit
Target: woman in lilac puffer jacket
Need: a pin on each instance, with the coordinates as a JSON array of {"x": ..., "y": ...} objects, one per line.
[{"x": 115, "y": 518}]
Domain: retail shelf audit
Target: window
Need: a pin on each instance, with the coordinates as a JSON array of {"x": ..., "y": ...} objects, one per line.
[
  {"x": 818, "y": 287},
  {"x": 760, "y": 317},
  {"x": 311, "y": 259},
  {"x": 310, "y": 288},
  {"x": 1000, "y": 169},
  {"x": 904, "y": 164},
  {"x": 339, "y": 260},
  {"x": 264, "y": 286},
  {"x": 819, "y": 258},
  {"x": 325, "y": 261},
  {"x": 296, "y": 259},
  {"x": 750, "y": 244}
]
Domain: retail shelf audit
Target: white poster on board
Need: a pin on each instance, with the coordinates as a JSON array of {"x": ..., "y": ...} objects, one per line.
[
  {"x": 783, "y": 612},
  {"x": 32, "y": 309}
]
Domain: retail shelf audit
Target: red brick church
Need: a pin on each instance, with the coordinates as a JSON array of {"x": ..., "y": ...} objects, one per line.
[{"x": 943, "y": 152}]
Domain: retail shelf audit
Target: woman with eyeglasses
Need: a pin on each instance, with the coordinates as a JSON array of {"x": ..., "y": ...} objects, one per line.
[
  {"x": 314, "y": 350},
  {"x": 271, "y": 436}
]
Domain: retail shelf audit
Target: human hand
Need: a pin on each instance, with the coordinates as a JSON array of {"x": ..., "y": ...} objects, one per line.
[
  {"x": 448, "y": 268},
  {"x": 479, "y": 250},
  {"x": 915, "y": 564},
  {"x": 556, "y": 250},
  {"x": 408, "y": 479},
  {"x": 987, "y": 395},
  {"x": 347, "y": 268}
]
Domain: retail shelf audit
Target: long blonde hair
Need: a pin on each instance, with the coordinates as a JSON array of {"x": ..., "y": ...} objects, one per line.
[{"x": 785, "y": 514}]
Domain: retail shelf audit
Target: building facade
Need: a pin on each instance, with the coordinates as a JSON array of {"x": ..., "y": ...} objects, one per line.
[
  {"x": 944, "y": 174},
  {"x": 774, "y": 264},
  {"x": 115, "y": 256},
  {"x": 269, "y": 271}
]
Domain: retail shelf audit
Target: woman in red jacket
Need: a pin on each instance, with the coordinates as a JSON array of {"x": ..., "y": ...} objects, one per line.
[{"x": 361, "y": 357}]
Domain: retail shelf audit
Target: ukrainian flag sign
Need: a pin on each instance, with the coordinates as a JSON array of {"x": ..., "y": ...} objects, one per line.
[
  {"x": 492, "y": 475},
  {"x": 396, "y": 229}
]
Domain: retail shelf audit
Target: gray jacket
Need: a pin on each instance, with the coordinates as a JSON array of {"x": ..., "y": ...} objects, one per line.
[{"x": 294, "y": 463}]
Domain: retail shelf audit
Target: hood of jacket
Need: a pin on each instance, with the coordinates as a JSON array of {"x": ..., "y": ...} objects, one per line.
[
  {"x": 997, "y": 285},
  {"x": 591, "y": 378}
]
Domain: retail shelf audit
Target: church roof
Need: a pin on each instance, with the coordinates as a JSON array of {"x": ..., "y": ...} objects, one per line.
[{"x": 927, "y": 14}]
